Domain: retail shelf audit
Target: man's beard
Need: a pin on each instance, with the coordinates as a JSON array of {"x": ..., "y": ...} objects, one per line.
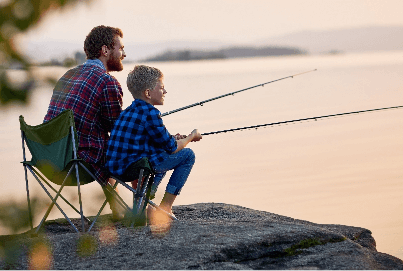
[{"x": 114, "y": 64}]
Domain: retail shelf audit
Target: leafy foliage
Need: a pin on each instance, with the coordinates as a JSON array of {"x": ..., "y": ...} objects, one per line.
[
  {"x": 17, "y": 17},
  {"x": 14, "y": 216},
  {"x": 87, "y": 245}
]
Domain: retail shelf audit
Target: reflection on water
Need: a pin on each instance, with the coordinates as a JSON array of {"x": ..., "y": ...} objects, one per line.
[{"x": 344, "y": 170}]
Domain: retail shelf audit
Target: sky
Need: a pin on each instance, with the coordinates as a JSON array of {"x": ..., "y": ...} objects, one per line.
[{"x": 227, "y": 21}]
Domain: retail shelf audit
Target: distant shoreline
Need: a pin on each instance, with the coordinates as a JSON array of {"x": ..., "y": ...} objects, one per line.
[{"x": 230, "y": 52}]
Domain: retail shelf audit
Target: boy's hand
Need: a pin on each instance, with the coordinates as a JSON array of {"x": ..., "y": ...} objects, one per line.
[
  {"x": 196, "y": 136},
  {"x": 179, "y": 136}
]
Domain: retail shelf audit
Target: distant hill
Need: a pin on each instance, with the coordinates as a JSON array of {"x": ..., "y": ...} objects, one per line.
[
  {"x": 231, "y": 52},
  {"x": 372, "y": 38},
  {"x": 40, "y": 51}
]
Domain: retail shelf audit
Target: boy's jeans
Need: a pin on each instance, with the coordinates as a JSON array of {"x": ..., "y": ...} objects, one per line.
[{"x": 182, "y": 163}]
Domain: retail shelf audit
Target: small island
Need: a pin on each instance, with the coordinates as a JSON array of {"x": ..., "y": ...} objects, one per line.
[
  {"x": 187, "y": 55},
  {"x": 231, "y": 52}
]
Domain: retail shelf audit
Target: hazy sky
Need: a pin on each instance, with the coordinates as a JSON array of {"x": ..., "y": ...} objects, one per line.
[{"x": 214, "y": 20}]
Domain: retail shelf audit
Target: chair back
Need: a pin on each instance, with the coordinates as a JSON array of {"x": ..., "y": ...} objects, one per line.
[{"x": 52, "y": 149}]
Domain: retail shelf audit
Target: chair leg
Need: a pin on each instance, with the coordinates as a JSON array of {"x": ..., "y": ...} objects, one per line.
[
  {"x": 134, "y": 211},
  {"x": 117, "y": 197},
  {"x": 138, "y": 195},
  {"x": 100, "y": 210},
  {"x": 122, "y": 203},
  {"x": 147, "y": 200},
  {"x": 60, "y": 195},
  {"x": 28, "y": 199},
  {"x": 26, "y": 182},
  {"x": 142, "y": 193},
  {"x": 120, "y": 200},
  {"x": 77, "y": 176},
  {"x": 79, "y": 196},
  {"x": 140, "y": 202},
  {"x": 53, "y": 202}
]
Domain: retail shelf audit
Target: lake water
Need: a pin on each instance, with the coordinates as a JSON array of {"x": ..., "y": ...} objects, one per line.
[{"x": 346, "y": 170}]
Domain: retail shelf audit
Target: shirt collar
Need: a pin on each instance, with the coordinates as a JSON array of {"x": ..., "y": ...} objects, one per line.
[
  {"x": 142, "y": 103},
  {"x": 95, "y": 62}
]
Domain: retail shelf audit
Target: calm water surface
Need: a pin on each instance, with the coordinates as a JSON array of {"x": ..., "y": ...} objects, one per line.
[{"x": 345, "y": 170}]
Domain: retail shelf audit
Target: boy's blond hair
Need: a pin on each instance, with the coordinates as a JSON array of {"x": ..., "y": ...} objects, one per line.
[{"x": 142, "y": 77}]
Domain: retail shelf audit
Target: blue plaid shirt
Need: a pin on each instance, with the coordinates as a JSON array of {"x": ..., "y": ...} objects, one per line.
[{"x": 138, "y": 132}]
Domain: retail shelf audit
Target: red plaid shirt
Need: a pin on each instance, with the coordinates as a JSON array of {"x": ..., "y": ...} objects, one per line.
[{"x": 95, "y": 97}]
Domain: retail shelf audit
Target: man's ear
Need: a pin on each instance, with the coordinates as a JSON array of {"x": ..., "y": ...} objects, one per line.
[{"x": 104, "y": 50}]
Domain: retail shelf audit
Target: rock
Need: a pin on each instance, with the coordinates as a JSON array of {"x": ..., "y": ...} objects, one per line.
[{"x": 216, "y": 236}]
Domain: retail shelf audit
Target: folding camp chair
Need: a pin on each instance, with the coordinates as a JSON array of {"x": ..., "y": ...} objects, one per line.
[{"x": 54, "y": 159}]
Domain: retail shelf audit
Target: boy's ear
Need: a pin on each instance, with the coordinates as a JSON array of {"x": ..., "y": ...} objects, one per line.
[{"x": 147, "y": 93}]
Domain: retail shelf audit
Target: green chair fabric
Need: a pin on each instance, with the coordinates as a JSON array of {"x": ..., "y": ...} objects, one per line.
[{"x": 51, "y": 147}]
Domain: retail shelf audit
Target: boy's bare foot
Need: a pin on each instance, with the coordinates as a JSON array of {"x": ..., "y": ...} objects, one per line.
[{"x": 159, "y": 222}]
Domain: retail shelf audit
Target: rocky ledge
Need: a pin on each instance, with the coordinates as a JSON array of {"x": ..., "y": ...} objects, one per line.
[{"x": 208, "y": 236}]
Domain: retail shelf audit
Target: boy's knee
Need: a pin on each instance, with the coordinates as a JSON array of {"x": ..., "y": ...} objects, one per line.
[{"x": 191, "y": 155}]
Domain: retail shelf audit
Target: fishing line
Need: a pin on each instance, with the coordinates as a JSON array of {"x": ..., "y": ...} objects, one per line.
[
  {"x": 231, "y": 93},
  {"x": 301, "y": 120}
]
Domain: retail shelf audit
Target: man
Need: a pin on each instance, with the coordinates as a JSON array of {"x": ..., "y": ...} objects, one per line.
[{"x": 95, "y": 97}]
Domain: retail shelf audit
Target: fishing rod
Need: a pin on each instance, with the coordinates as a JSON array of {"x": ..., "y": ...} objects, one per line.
[
  {"x": 231, "y": 93},
  {"x": 300, "y": 120}
]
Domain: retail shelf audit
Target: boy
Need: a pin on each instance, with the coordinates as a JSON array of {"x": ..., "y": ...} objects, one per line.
[{"x": 139, "y": 132}]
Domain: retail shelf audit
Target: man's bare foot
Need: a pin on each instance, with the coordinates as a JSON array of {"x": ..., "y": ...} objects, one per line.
[
  {"x": 118, "y": 212},
  {"x": 117, "y": 217}
]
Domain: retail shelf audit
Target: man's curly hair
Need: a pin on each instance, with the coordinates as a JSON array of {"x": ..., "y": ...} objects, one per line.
[
  {"x": 142, "y": 77},
  {"x": 99, "y": 36}
]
